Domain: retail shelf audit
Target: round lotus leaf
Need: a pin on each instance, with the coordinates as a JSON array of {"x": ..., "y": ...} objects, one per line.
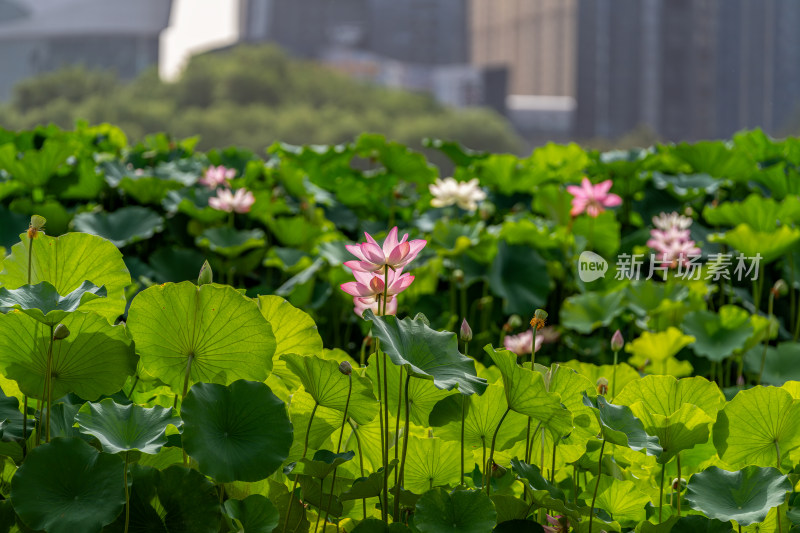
[
  {"x": 465, "y": 511},
  {"x": 66, "y": 486},
  {"x": 68, "y": 261},
  {"x": 239, "y": 432},
  {"x": 745, "y": 496},
  {"x": 215, "y": 328},
  {"x": 43, "y": 303},
  {"x": 94, "y": 360},
  {"x": 757, "y": 427},
  {"x": 256, "y": 513},
  {"x": 121, "y": 428},
  {"x": 121, "y": 227}
]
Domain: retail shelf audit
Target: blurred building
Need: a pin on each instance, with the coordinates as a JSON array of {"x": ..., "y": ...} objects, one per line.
[
  {"x": 39, "y": 36},
  {"x": 686, "y": 69}
]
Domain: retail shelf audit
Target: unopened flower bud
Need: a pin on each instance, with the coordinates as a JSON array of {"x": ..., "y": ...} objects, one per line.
[
  {"x": 617, "y": 342},
  {"x": 466, "y": 331},
  {"x": 206, "y": 275},
  {"x": 539, "y": 317},
  {"x": 678, "y": 484},
  {"x": 780, "y": 288},
  {"x": 60, "y": 333},
  {"x": 602, "y": 386},
  {"x": 345, "y": 368},
  {"x": 458, "y": 275}
]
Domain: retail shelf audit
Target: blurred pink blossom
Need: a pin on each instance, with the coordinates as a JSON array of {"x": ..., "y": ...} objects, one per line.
[
  {"x": 216, "y": 176},
  {"x": 225, "y": 200},
  {"x": 558, "y": 524},
  {"x": 593, "y": 199},
  {"x": 521, "y": 344},
  {"x": 671, "y": 240},
  {"x": 394, "y": 254}
]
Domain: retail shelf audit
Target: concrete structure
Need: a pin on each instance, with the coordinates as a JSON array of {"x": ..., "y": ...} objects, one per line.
[
  {"x": 686, "y": 69},
  {"x": 38, "y": 36}
]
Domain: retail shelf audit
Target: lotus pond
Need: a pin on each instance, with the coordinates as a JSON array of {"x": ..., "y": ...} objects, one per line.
[{"x": 351, "y": 338}]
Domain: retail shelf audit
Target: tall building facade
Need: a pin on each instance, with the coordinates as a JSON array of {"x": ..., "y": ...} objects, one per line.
[
  {"x": 686, "y": 69},
  {"x": 535, "y": 39}
]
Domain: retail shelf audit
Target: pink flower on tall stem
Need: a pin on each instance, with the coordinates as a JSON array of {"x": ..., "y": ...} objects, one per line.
[
  {"x": 216, "y": 176},
  {"x": 225, "y": 200},
  {"x": 370, "y": 286},
  {"x": 671, "y": 240},
  {"x": 593, "y": 199},
  {"x": 393, "y": 253},
  {"x": 521, "y": 344}
]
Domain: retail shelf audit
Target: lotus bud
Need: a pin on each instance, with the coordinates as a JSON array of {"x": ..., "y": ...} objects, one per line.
[
  {"x": 466, "y": 331},
  {"x": 514, "y": 321},
  {"x": 678, "y": 484},
  {"x": 458, "y": 275},
  {"x": 60, "y": 333},
  {"x": 780, "y": 288},
  {"x": 602, "y": 386},
  {"x": 206, "y": 274},
  {"x": 345, "y": 368},
  {"x": 539, "y": 317},
  {"x": 617, "y": 342}
]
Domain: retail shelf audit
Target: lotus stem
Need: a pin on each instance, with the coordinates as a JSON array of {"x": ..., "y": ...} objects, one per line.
[
  {"x": 386, "y": 397},
  {"x": 778, "y": 509},
  {"x": 133, "y": 388},
  {"x": 338, "y": 447},
  {"x": 463, "y": 412},
  {"x": 360, "y": 461},
  {"x": 397, "y": 420},
  {"x": 405, "y": 450},
  {"x": 614, "y": 376},
  {"x": 48, "y": 382},
  {"x": 127, "y": 494},
  {"x": 305, "y": 450},
  {"x": 661, "y": 492},
  {"x": 678, "y": 459},
  {"x": 488, "y": 466},
  {"x": 381, "y": 405},
  {"x": 766, "y": 337},
  {"x": 183, "y": 397},
  {"x": 597, "y": 484}
]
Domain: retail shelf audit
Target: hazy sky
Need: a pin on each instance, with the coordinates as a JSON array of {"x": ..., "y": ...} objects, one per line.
[{"x": 195, "y": 26}]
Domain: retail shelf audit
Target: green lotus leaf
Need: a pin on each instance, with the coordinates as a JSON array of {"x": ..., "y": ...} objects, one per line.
[
  {"x": 624, "y": 373},
  {"x": 215, "y": 330},
  {"x": 315, "y": 495},
  {"x": 686, "y": 186},
  {"x": 532, "y": 477},
  {"x": 483, "y": 413},
  {"x": 510, "y": 508},
  {"x": 94, "y": 360},
  {"x": 230, "y": 242},
  {"x": 465, "y": 511},
  {"x": 602, "y": 233},
  {"x": 326, "y": 421},
  {"x": 67, "y": 262},
  {"x": 322, "y": 379},
  {"x": 295, "y": 331},
  {"x": 294, "y": 231},
  {"x": 43, "y": 303},
  {"x": 367, "y": 487},
  {"x": 256, "y": 513},
  {"x": 175, "y": 500},
  {"x": 745, "y": 496},
  {"x": 780, "y": 364},
  {"x": 657, "y": 347},
  {"x": 526, "y": 393},
  {"x": 586, "y": 312},
  {"x": 676, "y": 432},
  {"x": 423, "y": 394},
  {"x": 750, "y": 242},
  {"x": 123, "y": 226},
  {"x": 176, "y": 264},
  {"x": 62, "y": 421},
  {"x": 193, "y": 202},
  {"x": 757, "y": 427},
  {"x": 621, "y": 499},
  {"x": 122, "y": 428},
  {"x": 519, "y": 276},
  {"x": 426, "y": 353},
  {"x": 644, "y": 297},
  {"x": 431, "y": 463},
  {"x": 718, "y": 335},
  {"x": 239, "y": 432},
  {"x": 664, "y": 395},
  {"x": 760, "y": 213},
  {"x": 620, "y": 427},
  {"x": 11, "y": 420},
  {"x": 323, "y": 463},
  {"x": 692, "y": 523},
  {"x": 35, "y": 167},
  {"x": 66, "y": 486},
  {"x": 376, "y": 525}
]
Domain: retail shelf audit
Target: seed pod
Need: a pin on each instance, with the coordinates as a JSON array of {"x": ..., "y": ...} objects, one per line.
[{"x": 60, "y": 333}]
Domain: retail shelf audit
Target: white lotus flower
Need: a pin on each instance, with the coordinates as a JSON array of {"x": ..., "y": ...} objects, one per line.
[
  {"x": 465, "y": 194},
  {"x": 671, "y": 221}
]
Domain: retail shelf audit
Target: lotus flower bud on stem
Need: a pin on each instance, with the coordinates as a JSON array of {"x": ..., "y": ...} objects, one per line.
[
  {"x": 602, "y": 386},
  {"x": 206, "y": 274},
  {"x": 466, "y": 332},
  {"x": 678, "y": 484},
  {"x": 345, "y": 368},
  {"x": 60, "y": 333},
  {"x": 780, "y": 288},
  {"x": 458, "y": 276},
  {"x": 617, "y": 342}
]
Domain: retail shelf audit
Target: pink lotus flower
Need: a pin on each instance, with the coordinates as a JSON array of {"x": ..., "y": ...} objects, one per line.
[
  {"x": 216, "y": 176},
  {"x": 225, "y": 200},
  {"x": 671, "y": 241},
  {"x": 521, "y": 344},
  {"x": 362, "y": 304},
  {"x": 592, "y": 198},
  {"x": 558, "y": 524},
  {"x": 370, "y": 287},
  {"x": 394, "y": 254}
]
